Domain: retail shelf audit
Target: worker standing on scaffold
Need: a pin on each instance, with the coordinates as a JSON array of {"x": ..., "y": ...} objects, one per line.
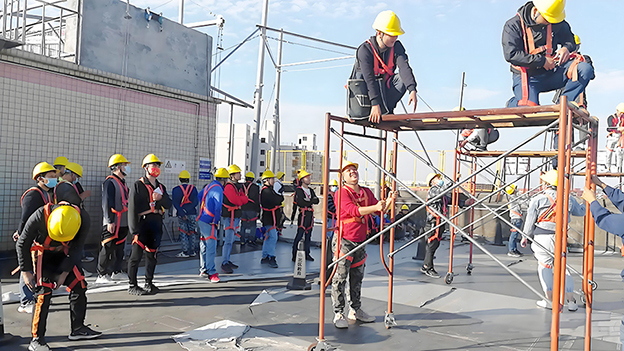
[
  {"x": 530, "y": 39},
  {"x": 615, "y": 139},
  {"x": 376, "y": 61},
  {"x": 357, "y": 203},
  {"x": 540, "y": 226}
]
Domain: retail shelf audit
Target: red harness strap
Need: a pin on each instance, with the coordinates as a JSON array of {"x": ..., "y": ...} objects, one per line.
[
  {"x": 529, "y": 47},
  {"x": 46, "y": 199},
  {"x": 549, "y": 214},
  {"x": 250, "y": 200},
  {"x": 187, "y": 193},
  {"x": 150, "y": 190},
  {"x": 350, "y": 259},
  {"x": 380, "y": 67},
  {"x": 203, "y": 207},
  {"x": 436, "y": 236},
  {"x": 136, "y": 240},
  {"x": 356, "y": 200},
  {"x": 212, "y": 233},
  {"x": 64, "y": 181},
  {"x": 124, "y": 208},
  {"x": 79, "y": 279},
  {"x": 272, "y": 210},
  {"x": 303, "y": 211},
  {"x": 232, "y": 209}
]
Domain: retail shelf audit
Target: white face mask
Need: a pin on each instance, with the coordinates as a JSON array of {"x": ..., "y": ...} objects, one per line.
[
  {"x": 333, "y": 188},
  {"x": 127, "y": 170}
]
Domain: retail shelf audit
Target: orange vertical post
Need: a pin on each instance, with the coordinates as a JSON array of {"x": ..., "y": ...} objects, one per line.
[
  {"x": 566, "y": 204},
  {"x": 588, "y": 275},
  {"x": 454, "y": 208},
  {"x": 324, "y": 229},
  {"x": 560, "y": 219},
  {"x": 393, "y": 170}
]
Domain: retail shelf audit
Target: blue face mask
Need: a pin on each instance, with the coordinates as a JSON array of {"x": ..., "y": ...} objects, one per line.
[
  {"x": 441, "y": 182},
  {"x": 51, "y": 182},
  {"x": 127, "y": 169},
  {"x": 75, "y": 181},
  {"x": 333, "y": 188}
]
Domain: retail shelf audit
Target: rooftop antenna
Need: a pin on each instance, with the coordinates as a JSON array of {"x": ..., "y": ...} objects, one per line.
[{"x": 127, "y": 16}]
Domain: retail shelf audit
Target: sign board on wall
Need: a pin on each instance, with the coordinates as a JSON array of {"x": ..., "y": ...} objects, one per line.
[
  {"x": 173, "y": 166},
  {"x": 205, "y": 168}
]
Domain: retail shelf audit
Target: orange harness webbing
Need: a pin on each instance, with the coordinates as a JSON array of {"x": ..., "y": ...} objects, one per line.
[
  {"x": 529, "y": 47},
  {"x": 231, "y": 209},
  {"x": 436, "y": 236},
  {"x": 361, "y": 219},
  {"x": 186, "y": 191},
  {"x": 212, "y": 233},
  {"x": 136, "y": 240},
  {"x": 303, "y": 211},
  {"x": 150, "y": 190},
  {"x": 350, "y": 259},
  {"x": 380, "y": 67},
  {"x": 46, "y": 199},
  {"x": 124, "y": 208},
  {"x": 202, "y": 207},
  {"x": 272, "y": 210},
  {"x": 549, "y": 214},
  {"x": 250, "y": 200},
  {"x": 64, "y": 181}
]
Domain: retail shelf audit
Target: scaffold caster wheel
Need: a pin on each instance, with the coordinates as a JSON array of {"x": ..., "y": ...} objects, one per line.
[
  {"x": 469, "y": 268},
  {"x": 448, "y": 278},
  {"x": 389, "y": 320},
  {"x": 593, "y": 284}
]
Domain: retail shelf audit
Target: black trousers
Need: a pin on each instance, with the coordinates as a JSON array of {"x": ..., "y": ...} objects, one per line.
[
  {"x": 150, "y": 233},
  {"x": 111, "y": 253},
  {"x": 305, "y": 224},
  {"x": 43, "y": 298},
  {"x": 433, "y": 242}
]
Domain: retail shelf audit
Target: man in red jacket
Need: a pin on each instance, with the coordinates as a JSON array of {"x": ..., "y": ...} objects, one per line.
[
  {"x": 234, "y": 198},
  {"x": 357, "y": 204}
]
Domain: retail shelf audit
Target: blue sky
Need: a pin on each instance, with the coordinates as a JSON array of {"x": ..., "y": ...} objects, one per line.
[{"x": 443, "y": 38}]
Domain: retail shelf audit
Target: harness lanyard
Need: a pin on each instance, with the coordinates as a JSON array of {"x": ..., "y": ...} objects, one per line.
[
  {"x": 380, "y": 67},
  {"x": 529, "y": 47},
  {"x": 124, "y": 208}
]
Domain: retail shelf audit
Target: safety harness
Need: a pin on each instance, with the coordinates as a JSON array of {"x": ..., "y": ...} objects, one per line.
[
  {"x": 204, "y": 209},
  {"x": 246, "y": 187},
  {"x": 64, "y": 181},
  {"x": 231, "y": 208},
  {"x": 123, "y": 189},
  {"x": 549, "y": 214},
  {"x": 303, "y": 211},
  {"x": 186, "y": 191},
  {"x": 362, "y": 220},
  {"x": 614, "y": 122},
  {"x": 46, "y": 199},
  {"x": 38, "y": 249},
  {"x": 529, "y": 47},
  {"x": 380, "y": 67},
  {"x": 152, "y": 209},
  {"x": 273, "y": 210},
  {"x": 437, "y": 236}
]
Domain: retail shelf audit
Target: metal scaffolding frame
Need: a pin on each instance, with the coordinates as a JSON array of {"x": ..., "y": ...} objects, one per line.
[{"x": 535, "y": 116}]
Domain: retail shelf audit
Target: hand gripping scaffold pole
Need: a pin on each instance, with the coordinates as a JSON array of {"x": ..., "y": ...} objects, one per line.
[{"x": 535, "y": 116}]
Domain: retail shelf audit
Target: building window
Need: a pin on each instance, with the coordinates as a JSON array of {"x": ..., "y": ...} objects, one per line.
[
  {"x": 262, "y": 152},
  {"x": 261, "y": 163},
  {"x": 299, "y": 141},
  {"x": 248, "y": 143},
  {"x": 263, "y": 140},
  {"x": 305, "y": 138}
]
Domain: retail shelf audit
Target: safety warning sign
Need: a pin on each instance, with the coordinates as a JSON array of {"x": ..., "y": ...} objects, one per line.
[{"x": 173, "y": 166}]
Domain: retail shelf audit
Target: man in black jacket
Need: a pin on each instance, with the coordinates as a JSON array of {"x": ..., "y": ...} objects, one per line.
[
  {"x": 147, "y": 203},
  {"x": 271, "y": 203},
  {"x": 376, "y": 61},
  {"x": 251, "y": 210},
  {"x": 304, "y": 199},
  {"x": 530, "y": 40},
  {"x": 54, "y": 234}
]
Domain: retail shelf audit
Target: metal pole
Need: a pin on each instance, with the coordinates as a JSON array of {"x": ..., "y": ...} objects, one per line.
[
  {"x": 380, "y": 157},
  {"x": 231, "y": 141},
  {"x": 255, "y": 145},
  {"x": 461, "y": 91},
  {"x": 181, "y": 12},
  {"x": 389, "y": 319},
  {"x": 43, "y": 21},
  {"x": 278, "y": 83},
  {"x": 321, "y": 337},
  {"x": 589, "y": 235}
]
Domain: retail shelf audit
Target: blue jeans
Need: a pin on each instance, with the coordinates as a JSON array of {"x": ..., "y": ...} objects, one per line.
[
  {"x": 188, "y": 235},
  {"x": 26, "y": 295},
  {"x": 514, "y": 236},
  {"x": 553, "y": 80},
  {"x": 268, "y": 247},
  {"x": 207, "y": 247},
  {"x": 228, "y": 238}
]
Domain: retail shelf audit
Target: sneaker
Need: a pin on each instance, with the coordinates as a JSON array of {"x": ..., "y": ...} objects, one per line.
[
  {"x": 119, "y": 277},
  {"x": 182, "y": 255},
  {"x": 227, "y": 269},
  {"x": 204, "y": 275},
  {"x": 309, "y": 258},
  {"x": 88, "y": 259},
  {"x": 520, "y": 254},
  {"x": 272, "y": 262},
  {"x": 84, "y": 333},
  {"x": 265, "y": 260},
  {"x": 572, "y": 306},
  {"x": 513, "y": 254},
  {"x": 340, "y": 321},
  {"x": 214, "y": 278},
  {"x": 231, "y": 264},
  {"x": 28, "y": 307},
  {"x": 36, "y": 345},
  {"x": 104, "y": 279},
  {"x": 194, "y": 254},
  {"x": 432, "y": 273},
  {"x": 423, "y": 269},
  {"x": 151, "y": 289},
  {"x": 544, "y": 304},
  {"x": 135, "y": 290},
  {"x": 361, "y": 316}
]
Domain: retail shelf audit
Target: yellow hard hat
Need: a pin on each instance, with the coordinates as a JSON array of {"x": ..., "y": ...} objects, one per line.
[
  {"x": 234, "y": 169},
  {"x": 550, "y": 177},
  {"x": 268, "y": 174},
  {"x": 61, "y": 161},
  {"x": 279, "y": 175},
  {"x": 388, "y": 22},
  {"x": 333, "y": 182},
  {"x": 348, "y": 164},
  {"x": 456, "y": 108},
  {"x": 63, "y": 223},
  {"x": 404, "y": 207},
  {"x": 577, "y": 39},
  {"x": 151, "y": 158},
  {"x": 620, "y": 107},
  {"x": 75, "y": 168},
  {"x": 510, "y": 189},
  {"x": 222, "y": 173},
  {"x": 250, "y": 175},
  {"x": 184, "y": 175},
  {"x": 117, "y": 159},
  {"x": 303, "y": 174},
  {"x": 42, "y": 167},
  {"x": 553, "y": 11},
  {"x": 430, "y": 177}
]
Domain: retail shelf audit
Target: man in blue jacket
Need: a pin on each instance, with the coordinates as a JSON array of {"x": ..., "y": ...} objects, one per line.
[
  {"x": 538, "y": 43},
  {"x": 211, "y": 201},
  {"x": 605, "y": 219},
  {"x": 185, "y": 202}
]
